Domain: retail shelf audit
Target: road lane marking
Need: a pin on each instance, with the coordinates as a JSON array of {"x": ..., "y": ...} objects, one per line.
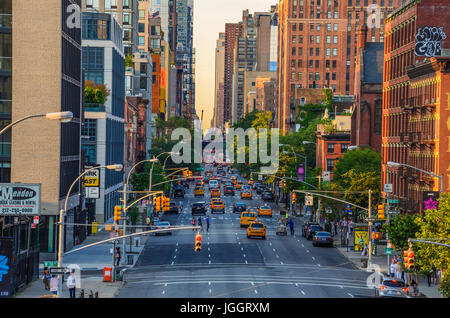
[
  {"x": 302, "y": 292},
  {"x": 350, "y": 295},
  {"x": 244, "y": 255},
  {"x": 273, "y": 249},
  {"x": 210, "y": 291},
  {"x": 307, "y": 251},
  {"x": 163, "y": 292},
  {"x": 246, "y": 262},
  {"x": 313, "y": 258},
  {"x": 256, "y": 291},
  {"x": 282, "y": 263},
  {"x": 209, "y": 262},
  {"x": 172, "y": 263},
  {"x": 303, "y": 245}
]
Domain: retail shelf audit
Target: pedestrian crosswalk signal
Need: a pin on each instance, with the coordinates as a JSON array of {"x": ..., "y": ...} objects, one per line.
[
  {"x": 198, "y": 243},
  {"x": 117, "y": 213}
]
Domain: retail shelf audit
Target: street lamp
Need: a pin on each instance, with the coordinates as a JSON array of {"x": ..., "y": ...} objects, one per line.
[
  {"x": 115, "y": 167},
  {"x": 306, "y": 142},
  {"x": 392, "y": 164},
  {"x": 63, "y": 117}
]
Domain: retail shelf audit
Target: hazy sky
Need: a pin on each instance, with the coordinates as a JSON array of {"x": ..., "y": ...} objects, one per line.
[{"x": 210, "y": 17}]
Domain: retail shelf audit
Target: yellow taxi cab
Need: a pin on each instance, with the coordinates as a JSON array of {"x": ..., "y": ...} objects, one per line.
[
  {"x": 265, "y": 211},
  {"x": 199, "y": 192},
  {"x": 215, "y": 192},
  {"x": 256, "y": 228},
  {"x": 217, "y": 205},
  {"x": 250, "y": 182},
  {"x": 247, "y": 218},
  {"x": 246, "y": 195},
  {"x": 239, "y": 185}
]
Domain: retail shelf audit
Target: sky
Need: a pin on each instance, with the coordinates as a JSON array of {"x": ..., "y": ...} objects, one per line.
[{"x": 210, "y": 17}]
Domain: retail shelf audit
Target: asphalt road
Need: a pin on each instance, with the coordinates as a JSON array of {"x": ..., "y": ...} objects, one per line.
[{"x": 231, "y": 265}]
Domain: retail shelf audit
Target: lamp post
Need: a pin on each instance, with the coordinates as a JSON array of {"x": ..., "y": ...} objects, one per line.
[
  {"x": 64, "y": 117},
  {"x": 116, "y": 167},
  {"x": 392, "y": 164},
  {"x": 125, "y": 196}
]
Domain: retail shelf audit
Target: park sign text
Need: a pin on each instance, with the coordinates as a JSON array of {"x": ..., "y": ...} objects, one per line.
[{"x": 20, "y": 199}]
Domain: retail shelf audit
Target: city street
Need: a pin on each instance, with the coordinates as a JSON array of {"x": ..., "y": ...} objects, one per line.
[{"x": 231, "y": 265}]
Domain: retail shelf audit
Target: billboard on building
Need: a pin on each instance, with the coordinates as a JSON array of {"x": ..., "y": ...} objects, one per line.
[
  {"x": 6, "y": 283},
  {"x": 20, "y": 199},
  {"x": 430, "y": 200}
]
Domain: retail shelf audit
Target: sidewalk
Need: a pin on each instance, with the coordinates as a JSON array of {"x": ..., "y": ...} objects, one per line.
[{"x": 94, "y": 284}]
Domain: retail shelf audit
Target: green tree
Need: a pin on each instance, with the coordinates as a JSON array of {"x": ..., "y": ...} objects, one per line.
[
  {"x": 128, "y": 61},
  {"x": 401, "y": 228},
  {"x": 356, "y": 186},
  {"x": 359, "y": 160},
  {"x": 435, "y": 224}
]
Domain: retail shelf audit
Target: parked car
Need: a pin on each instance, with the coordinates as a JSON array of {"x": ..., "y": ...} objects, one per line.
[
  {"x": 306, "y": 227},
  {"x": 199, "y": 208},
  {"x": 391, "y": 287},
  {"x": 173, "y": 208},
  {"x": 322, "y": 238},
  {"x": 179, "y": 191},
  {"x": 268, "y": 196},
  {"x": 228, "y": 190},
  {"x": 239, "y": 207},
  {"x": 312, "y": 231},
  {"x": 160, "y": 225}
]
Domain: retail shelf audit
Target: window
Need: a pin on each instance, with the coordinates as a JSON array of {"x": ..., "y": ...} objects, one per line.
[
  {"x": 300, "y": 51},
  {"x": 318, "y": 27},
  {"x": 126, "y": 18},
  {"x": 328, "y": 39},
  {"x": 294, "y": 39},
  {"x": 312, "y": 26},
  {"x": 335, "y": 39},
  {"x": 292, "y": 63},
  {"x": 141, "y": 14},
  {"x": 310, "y": 76},
  {"x": 293, "y": 51},
  {"x": 330, "y": 165},
  {"x": 300, "y": 26},
  {"x": 311, "y": 62},
  {"x": 299, "y": 63},
  {"x": 141, "y": 27},
  {"x": 317, "y": 63},
  {"x": 300, "y": 39},
  {"x": 142, "y": 40},
  {"x": 317, "y": 51},
  {"x": 90, "y": 156},
  {"x": 333, "y": 76},
  {"x": 328, "y": 51},
  {"x": 126, "y": 3},
  {"x": 316, "y": 76},
  {"x": 89, "y": 130},
  {"x": 330, "y": 148},
  {"x": 294, "y": 27},
  {"x": 335, "y": 14},
  {"x": 366, "y": 3},
  {"x": 299, "y": 76},
  {"x": 318, "y": 39},
  {"x": 327, "y": 63},
  {"x": 311, "y": 51},
  {"x": 334, "y": 51},
  {"x": 328, "y": 26},
  {"x": 334, "y": 64},
  {"x": 329, "y": 15},
  {"x": 293, "y": 76},
  {"x": 335, "y": 27},
  {"x": 311, "y": 39},
  {"x": 372, "y": 38},
  {"x": 344, "y": 148}
]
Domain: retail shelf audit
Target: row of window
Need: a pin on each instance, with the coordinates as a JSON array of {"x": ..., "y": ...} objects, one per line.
[
  {"x": 311, "y": 51},
  {"x": 311, "y": 63},
  {"x": 312, "y": 77},
  {"x": 314, "y": 26},
  {"x": 109, "y": 4}
]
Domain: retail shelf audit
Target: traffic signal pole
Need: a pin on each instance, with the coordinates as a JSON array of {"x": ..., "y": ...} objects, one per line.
[{"x": 388, "y": 220}]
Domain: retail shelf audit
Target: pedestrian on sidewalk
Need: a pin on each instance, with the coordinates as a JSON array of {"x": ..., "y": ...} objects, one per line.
[
  {"x": 72, "y": 284},
  {"x": 54, "y": 285},
  {"x": 46, "y": 278},
  {"x": 193, "y": 223},
  {"x": 398, "y": 270},
  {"x": 429, "y": 278},
  {"x": 392, "y": 268},
  {"x": 434, "y": 274},
  {"x": 207, "y": 223},
  {"x": 118, "y": 256},
  {"x": 414, "y": 286},
  {"x": 291, "y": 226}
]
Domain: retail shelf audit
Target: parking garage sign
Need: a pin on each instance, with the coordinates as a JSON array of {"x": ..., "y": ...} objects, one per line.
[{"x": 20, "y": 199}]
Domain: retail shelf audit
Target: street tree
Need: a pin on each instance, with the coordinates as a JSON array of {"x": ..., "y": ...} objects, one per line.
[{"x": 401, "y": 228}]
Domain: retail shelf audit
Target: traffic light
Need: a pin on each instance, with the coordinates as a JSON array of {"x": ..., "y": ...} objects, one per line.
[
  {"x": 165, "y": 204},
  {"x": 117, "y": 213},
  {"x": 381, "y": 215},
  {"x": 158, "y": 204},
  {"x": 198, "y": 243},
  {"x": 294, "y": 198},
  {"x": 185, "y": 174},
  {"x": 410, "y": 263},
  {"x": 405, "y": 259}
]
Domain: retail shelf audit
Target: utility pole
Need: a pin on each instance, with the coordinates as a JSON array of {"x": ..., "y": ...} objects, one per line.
[
  {"x": 388, "y": 219},
  {"x": 370, "y": 228}
]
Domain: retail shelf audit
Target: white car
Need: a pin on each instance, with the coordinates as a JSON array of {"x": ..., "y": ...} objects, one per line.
[{"x": 161, "y": 225}]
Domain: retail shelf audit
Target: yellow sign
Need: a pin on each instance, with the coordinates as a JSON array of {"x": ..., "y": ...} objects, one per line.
[
  {"x": 91, "y": 182},
  {"x": 361, "y": 239},
  {"x": 94, "y": 227}
]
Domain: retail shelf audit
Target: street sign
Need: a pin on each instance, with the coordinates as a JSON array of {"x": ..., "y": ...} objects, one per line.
[
  {"x": 50, "y": 263},
  {"x": 388, "y": 188},
  {"x": 326, "y": 176},
  {"x": 393, "y": 201},
  {"x": 35, "y": 219},
  {"x": 92, "y": 192},
  {"x": 92, "y": 178},
  {"x": 58, "y": 270},
  {"x": 388, "y": 251},
  {"x": 328, "y": 210}
]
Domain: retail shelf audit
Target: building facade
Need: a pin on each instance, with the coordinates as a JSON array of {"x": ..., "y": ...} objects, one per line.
[
  {"x": 317, "y": 46},
  {"x": 126, "y": 14},
  {"x": 103, "y": 129},
  {"x": 405, "y": 47},
  {"x": 218, "y": 121},
  {"x": 367, "y": 114}
]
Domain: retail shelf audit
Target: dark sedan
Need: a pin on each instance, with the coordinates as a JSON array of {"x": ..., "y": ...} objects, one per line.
[
  {"x": 228, "y": 190},
  {"x": 322, "y": 238},
  {"x": 179, "y": 192},
  {"x": 239, "y": 207},
  {"x": 199, "y": 208},
  {"x": 268, "y": 196},
  {"x": 173, "y": 208},
  {"x": 306, "y": 227},
  {"x": 312, "y": 231}
]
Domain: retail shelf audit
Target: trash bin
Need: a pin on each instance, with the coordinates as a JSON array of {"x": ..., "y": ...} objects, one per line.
[
  {"x": 107, "y": 274},
  {"x": 130, "y": 259},
  {"x": 119, "y": 275}
]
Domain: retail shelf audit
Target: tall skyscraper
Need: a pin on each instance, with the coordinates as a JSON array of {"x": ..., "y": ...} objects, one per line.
[
  {"x": 232, "y": 31},
  {"x": 317, "y": 46},
  {"x": 218, "y": 82}
]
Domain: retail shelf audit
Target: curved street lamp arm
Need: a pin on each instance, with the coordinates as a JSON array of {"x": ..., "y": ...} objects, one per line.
[{"x": 20, "y": 120}]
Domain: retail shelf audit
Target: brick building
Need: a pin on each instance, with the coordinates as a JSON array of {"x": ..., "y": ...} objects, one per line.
[
  {"x": 366, "y": 119},
  {"x": 317, "y": 46},
  {"x": 412, "y": 130}
]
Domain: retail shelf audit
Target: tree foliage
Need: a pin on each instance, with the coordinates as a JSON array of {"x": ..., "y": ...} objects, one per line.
[
  {"x": 401, "y": 228},
  {"x": 435, "y": 224},
  {"x": 359, "y": 160},
  {"x": 128, "y": 61}
]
